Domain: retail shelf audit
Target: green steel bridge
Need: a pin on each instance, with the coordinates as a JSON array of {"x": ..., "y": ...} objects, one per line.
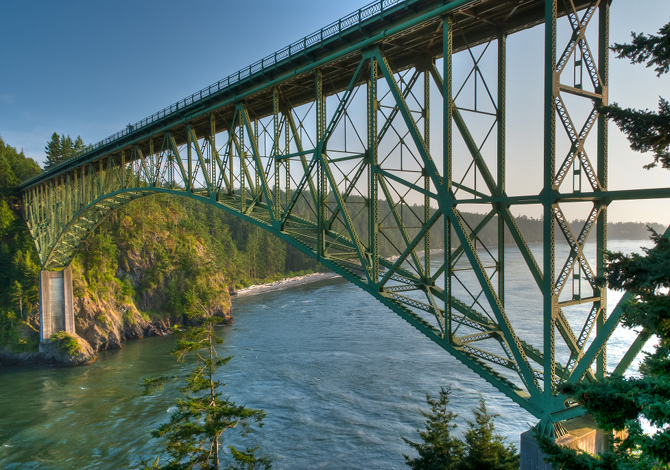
[{"x": 361, "y": 146}]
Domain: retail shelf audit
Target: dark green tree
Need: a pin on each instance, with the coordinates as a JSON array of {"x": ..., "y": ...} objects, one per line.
[
  {"x": 60, "y": 148},
  {"x": 7, "y": 178},
  {"x": 194, "y": 433},
  {"x": 78, "y": 144},
  {"x": 6, "y": 218},
  {"x": 486, "y": 450},
  {"x": 53, "y": 151},
  {"x": 646, "y": 130},
  {"x": 439, "y": 449},
  {"x": 21, "y": 166},
  {"x": 624, "y": 403},
  {"x": 66, "y": 146},
  {"x": 18, "y": 279}
]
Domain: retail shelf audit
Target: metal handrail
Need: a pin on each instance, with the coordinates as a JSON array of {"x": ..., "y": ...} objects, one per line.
[{"x": 344, "y": 24}]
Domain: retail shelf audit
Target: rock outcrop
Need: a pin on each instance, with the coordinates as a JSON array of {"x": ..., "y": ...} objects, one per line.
[
  {"x": 53, "y": 354},
  {"x": 107, "y": 325}
]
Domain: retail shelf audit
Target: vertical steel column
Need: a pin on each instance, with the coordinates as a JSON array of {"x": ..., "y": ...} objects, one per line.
[
  {"x": 549, "y": 306},
  {"x": 171, "y": 159},
  {"x": 154, "y": 164},
  {"x": 123, "y": 167},
  {"x": 426, "y": 178},
  {"x": 214, "y": 157},
  {"x": 51, "y": 222},
  {"x": 287, "y": 150},
  {"x": 231, "y": 137},
  {"x": 501, "y": 117},
  {"x": 601, "y": 230},
  {"x": 447, "y": 98},
  {"x": 243, "y": 163},
  {"x": 321, "y": 187},
  {"x": 83, "y": 192},
  {"x": 41, "y": 217},
  {"x": 373, "y": 203},
  {"x": 275, "y": 112},
  {"x": 68, "y": 200},
  {"x": 257, "y": 164},
  {"x": 189, "y": 170}
]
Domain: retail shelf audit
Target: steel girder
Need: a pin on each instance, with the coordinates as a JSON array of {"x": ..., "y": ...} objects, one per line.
[{"x": 337, "y": 158}]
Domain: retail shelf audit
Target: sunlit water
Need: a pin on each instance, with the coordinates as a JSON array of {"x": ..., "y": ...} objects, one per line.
[{"x": 340, "y": 376}]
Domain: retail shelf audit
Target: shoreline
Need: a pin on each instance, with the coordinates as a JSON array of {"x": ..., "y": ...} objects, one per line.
[{"x": 282, "y": 284}]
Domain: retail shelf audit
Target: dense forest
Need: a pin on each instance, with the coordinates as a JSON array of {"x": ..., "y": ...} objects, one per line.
[
  {"x": 161, "y": 258},
  {"x": 19, "y": 265}
]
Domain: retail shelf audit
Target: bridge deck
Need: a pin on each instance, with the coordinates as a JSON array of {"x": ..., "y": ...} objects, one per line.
[{"x": 336, "y": 49}]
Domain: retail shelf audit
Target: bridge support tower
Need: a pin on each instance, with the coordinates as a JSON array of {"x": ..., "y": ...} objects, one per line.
[
  {"x": 580, "y": 433},
  {"x": 56, "y": 303}
]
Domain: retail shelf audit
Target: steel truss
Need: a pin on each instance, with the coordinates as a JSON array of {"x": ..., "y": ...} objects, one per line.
[{"x": 338, "y": 158}]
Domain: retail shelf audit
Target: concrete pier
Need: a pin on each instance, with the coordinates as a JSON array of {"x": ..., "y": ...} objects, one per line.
[
  {"x": 56, "y": 303},
  {"x": 582, "y": 433}
]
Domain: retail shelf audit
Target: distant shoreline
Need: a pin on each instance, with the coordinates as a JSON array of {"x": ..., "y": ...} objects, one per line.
[{"x": 283, "y": 284}]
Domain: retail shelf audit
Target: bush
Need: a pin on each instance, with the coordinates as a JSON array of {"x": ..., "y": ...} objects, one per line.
[{"x": 66, "y": 343}]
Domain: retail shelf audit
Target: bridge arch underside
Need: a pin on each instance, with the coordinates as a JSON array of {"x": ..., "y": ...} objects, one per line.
[{"x": 384, "y": 157}]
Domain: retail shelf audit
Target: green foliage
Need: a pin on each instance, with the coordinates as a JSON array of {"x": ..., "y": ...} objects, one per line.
[
  {"x": 194, "y": 433},
  {"x": 483, "y": 449},
  {"x": 66, "y": 343},
  {"x": 649, "y": 49},
  {"x": 6, "y": 218},
  {"x": 7, "y": 178},
  {"x": 19, "y": 266},
  {"x": 439, "y": 449},
  {"x": 60, "y": 148},
  {"x": 646, "y": 130},
  {"x": 624, "y": 403}
]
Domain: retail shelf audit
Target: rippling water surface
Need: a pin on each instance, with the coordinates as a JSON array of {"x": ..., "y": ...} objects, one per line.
[{"x": 340, "y": 376}]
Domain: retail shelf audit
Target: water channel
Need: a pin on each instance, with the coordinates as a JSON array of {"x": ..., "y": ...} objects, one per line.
[{"x": 340, "y": 376}]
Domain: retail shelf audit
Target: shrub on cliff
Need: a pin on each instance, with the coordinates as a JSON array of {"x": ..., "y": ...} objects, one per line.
[{"x": 66, "y": 343}]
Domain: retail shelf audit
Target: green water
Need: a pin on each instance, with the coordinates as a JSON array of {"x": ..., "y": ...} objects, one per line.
[{"x": 84, "y": 417}]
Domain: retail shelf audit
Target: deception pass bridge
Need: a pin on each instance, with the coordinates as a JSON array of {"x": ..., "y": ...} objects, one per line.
[{"x": 365, "y": 145}]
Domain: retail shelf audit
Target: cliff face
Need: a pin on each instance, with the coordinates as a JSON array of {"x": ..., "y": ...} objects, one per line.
[
  {"x": 106, "y": 325},
  {"x": 137, "y": 280}
]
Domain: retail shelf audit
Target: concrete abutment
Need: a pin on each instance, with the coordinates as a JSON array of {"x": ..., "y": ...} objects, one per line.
[
  {"x": 56, "y": 303},
  {"x": 582, "y": 434}
]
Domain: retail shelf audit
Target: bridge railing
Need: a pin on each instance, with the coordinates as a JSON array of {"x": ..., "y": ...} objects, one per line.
[{"x": 345, "y": 24}]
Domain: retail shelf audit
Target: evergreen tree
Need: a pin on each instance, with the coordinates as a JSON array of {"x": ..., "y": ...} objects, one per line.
[
  {"x": 53, "y": 151},
  {"x": 485, "y": 449},
  {"x": 619, "y": 403},
  {"x": 646, "y": 130},
  {"x": 6, "y": 218},
  {"x": 79, "y": 144},
  {"x": 60, "y": 148},
  {"x": 439, "y": 449},
  {"x": 66, "y": 147},
  {"x": 7, "y": 178},
  {"x": 195, "y": 430},
  {"x": 18, "y": 259}
]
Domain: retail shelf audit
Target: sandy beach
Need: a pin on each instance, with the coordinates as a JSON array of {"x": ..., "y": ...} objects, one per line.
[
  {"x": 298, "y": 280},
  {"x": 284, "y": 283}
]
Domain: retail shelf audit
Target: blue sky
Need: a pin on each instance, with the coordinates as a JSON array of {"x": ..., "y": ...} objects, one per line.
[{"x": 88, "y": 68}]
